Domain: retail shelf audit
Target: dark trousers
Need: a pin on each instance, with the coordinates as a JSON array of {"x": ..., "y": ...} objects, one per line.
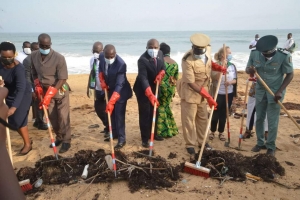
[
  {"x": 118, "y": 121},
  {"x": 39, "y": 113},
  {"x": 145, "y": 117},
  {"x": 219, "y": 115},
  {"x": 252, "y": 120},
  {"x": 100, "y": 106}
]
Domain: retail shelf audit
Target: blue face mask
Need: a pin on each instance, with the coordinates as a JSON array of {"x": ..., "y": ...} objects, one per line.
[
  {"x": 45, "y": 52},
  {"x": 229, "y": 57}
]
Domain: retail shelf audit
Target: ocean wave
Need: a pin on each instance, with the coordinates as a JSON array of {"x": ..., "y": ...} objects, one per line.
[{"x": 78, "y": 64}]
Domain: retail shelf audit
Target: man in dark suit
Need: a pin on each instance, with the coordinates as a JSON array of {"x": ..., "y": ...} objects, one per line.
[
  {"x": 151, "y": 69},
  {"x": 37, "y": 113},
  {"x": 112, "y": 75}
]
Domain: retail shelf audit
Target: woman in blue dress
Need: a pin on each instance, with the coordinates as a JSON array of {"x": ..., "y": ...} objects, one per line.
[{"x": 19, "y": 92}]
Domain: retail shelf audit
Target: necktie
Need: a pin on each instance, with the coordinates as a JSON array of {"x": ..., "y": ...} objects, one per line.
[{"x": 155, "y": 61}]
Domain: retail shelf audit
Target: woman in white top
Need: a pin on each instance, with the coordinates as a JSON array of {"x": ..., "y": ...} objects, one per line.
[{"x": 219, "y": 115}]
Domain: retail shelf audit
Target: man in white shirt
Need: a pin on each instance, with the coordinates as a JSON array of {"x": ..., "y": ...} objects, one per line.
[
  {"x": 252, "y": 45},
  {"x": 23, "y": 54},
  {"x": 94, "y": 88},
  {"x": 289, "y": 44}
]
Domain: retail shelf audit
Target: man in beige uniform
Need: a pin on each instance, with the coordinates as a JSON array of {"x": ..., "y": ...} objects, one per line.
[
  {"x": 192, "y": 89},
  {"x": 49, "y": 70}
]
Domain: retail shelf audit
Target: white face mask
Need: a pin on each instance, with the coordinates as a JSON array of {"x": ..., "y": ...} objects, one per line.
[
  {"x": 256, "y": 39},
  {"x": 96, "y": 55},
  {"x": 110, "y": 61},
  {"x": 27, "y": 51},
  {"x": 152, "y": 52},
  {"x": 201, "y": 56}
]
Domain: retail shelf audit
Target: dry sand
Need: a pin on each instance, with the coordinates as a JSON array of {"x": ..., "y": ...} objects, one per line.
[{"x": 190, "y": 187}]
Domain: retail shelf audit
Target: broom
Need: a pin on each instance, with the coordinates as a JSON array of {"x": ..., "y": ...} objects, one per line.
[
  {"x": 196, "y": 169},
  {"x": 153, "y": 122},
  {"x": 111, "y": 137},
  {"x": 8, "y": 137}
]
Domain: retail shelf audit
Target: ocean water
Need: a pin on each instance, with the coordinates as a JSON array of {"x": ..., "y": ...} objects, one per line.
[{"x": 76, "y": 47}]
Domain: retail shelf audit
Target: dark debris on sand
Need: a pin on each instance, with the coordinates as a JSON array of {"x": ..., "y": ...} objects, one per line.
[
  {"x": 142, "y": 172},
  {"x": 291, "y": 106},
  {"x": 237, "y": 165}
]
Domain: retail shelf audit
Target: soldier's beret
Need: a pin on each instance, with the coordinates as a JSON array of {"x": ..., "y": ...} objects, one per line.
[
  {"x": 200, "y": 40},
  {"x": 267, "y": 44}
]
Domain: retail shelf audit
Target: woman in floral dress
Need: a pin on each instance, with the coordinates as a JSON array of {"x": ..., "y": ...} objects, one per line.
[{"x": 166, "y": 125}]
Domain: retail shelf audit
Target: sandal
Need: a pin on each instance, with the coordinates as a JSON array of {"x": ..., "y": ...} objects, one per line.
[
  {"x": 222, "y": 137},
  {"x": 211, "y": 136}
]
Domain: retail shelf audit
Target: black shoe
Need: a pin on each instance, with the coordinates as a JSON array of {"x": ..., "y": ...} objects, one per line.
[
  {"x": 145, "y": 144},
  {"x": 158, "y": 138},
  {"x": 271, "y": 152},
  {"x": 57, "y": 143},
  {"x": 43, "y": 126},
  {"x": 108, "y": 139},
  {"x": 104, "y": 131},
  {"x": 106, "y": 135},
  {"x": 257, "y": 148},
  {"x": 120, "y": 145},
  {"x": 207, "y": 147},
  {"x": 64, "y": 147},
  {"x": 191, "y": 150}
]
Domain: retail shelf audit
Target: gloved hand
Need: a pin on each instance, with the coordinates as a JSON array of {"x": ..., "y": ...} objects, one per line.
[
  {"x": 252, "y": 79},
  {"x": 159, "y": 76},
  {"x": 102, "y": 81},
  {"x": 219, "y": 68},
  {"x": 251, "y": 71},
  {"x": 211, "y": 102},
  {"x": 111, "y": 103},
  {"x": 151, "y": 97},
  {"x": 51, "y": 92},
  {"x": 38, "y": 89}
]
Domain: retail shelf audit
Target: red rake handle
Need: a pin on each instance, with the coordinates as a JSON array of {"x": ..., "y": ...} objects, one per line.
[
  {"x": 226, "y": 95},
  {"x": 50, "y": 131},
  {"x": 111, "y": 137},
  {"x": 153, "y": 122},
  {"x": 243, "y": 117}
]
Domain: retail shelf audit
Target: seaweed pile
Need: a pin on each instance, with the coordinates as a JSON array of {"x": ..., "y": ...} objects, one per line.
[
  {"x": 140, "y": 170},
  {"x": 236, "y": 165}
]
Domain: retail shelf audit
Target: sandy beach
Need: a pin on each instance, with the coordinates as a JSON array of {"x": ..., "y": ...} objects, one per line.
[{"x": 189, "y": 187}]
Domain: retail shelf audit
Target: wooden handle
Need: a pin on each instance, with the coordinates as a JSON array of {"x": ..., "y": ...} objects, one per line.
[
  {"x": 8, "y": 135},
  {"x": 209, "y": 120},
  {"x": 279, "y": 102},
  {"x": 245, "y": 102}
]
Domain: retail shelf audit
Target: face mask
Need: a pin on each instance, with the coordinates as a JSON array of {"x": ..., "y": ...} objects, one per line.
[
  {"x": 152, "y": 52},
  {"x": 45, "y": 52},
  {"x": 201, "y": 56},
  {"x": 229, "y": 57},
  {"x": 110, "y": 61},
  {"x": 270, "y": 55},
  {"x": 96, "y": 55},
  {"x": 256, "y": 39},
  {"x": 7, "y": 62},
  {"x": 27, "y": 51}
]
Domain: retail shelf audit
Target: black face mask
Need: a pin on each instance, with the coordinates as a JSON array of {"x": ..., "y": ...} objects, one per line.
[
  {"x": 8, "y": 61},
  {"x": 198, "y": 51},
  {"x": 269, "y": 55}
]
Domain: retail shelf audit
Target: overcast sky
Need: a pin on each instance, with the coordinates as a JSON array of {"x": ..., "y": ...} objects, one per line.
[{"x": 150, "y": 15}]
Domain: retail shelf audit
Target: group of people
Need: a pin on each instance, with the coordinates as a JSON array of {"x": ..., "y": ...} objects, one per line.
[{"x": 46, "y": 75}]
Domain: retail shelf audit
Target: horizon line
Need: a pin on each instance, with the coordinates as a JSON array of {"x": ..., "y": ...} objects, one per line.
[{"x": 146, "y": 31}]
